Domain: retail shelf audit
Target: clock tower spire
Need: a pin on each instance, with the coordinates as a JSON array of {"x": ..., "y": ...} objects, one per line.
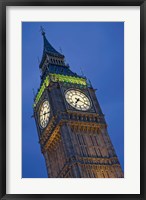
[
  {"x": 50, "y": 55},
  {"x": 71, "y": 126}
]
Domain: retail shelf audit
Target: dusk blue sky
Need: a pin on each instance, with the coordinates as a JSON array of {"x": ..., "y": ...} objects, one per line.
[{"x": 97, "y": 48}]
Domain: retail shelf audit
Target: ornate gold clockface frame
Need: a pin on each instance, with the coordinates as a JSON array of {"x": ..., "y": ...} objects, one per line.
[
  {"x": 44, "y": 114},
  {"x": 78, "y": 99}
]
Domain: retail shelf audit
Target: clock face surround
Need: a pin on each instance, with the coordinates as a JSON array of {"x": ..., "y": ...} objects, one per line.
[
  {"x": 44, "y": 114},
  {"x": 78, "y": 100}
]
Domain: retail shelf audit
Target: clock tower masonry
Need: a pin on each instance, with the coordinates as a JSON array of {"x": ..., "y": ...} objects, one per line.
[{"x": 71, "y": 126}]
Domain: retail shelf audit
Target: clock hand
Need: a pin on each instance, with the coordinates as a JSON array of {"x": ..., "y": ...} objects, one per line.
[
  {"x": 84, "y": 102},
  {"x": 81, "y": 101},
  {"x": 77, "y": 100},
  {"x": 45, "y": 113}
]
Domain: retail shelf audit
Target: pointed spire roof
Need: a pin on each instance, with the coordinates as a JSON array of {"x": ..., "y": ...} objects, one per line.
[{"x": 48, "y": 47}]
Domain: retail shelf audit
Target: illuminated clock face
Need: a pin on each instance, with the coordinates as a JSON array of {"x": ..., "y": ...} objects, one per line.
[
  {"x": 78, "y": 100},
  {"x": 44, "y": 114}
]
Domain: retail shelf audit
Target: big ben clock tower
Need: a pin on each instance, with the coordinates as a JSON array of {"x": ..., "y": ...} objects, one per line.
[{"x": 71, "y": 126}]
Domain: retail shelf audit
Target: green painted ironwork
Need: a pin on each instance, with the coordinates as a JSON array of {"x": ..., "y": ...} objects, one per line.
[
  {"x": 60, "y": 78},
  {"x": 68, "y": 79},
  {"x": 41, "y": 90}
]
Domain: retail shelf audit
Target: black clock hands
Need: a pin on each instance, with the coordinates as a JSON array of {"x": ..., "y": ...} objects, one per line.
[
  {"x": 81, "y": 101},
  {"x": 45, "y": 113},
  {"x": 77, "y": 100}
]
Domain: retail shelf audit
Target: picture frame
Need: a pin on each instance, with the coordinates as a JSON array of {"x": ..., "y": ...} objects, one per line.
[{"x": 3, "y": 93}]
